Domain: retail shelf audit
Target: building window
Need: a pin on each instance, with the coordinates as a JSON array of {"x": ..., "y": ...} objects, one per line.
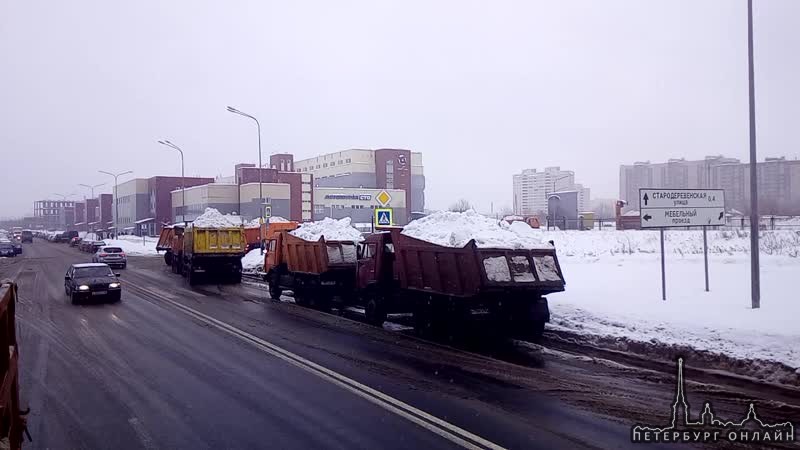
[
  {"x": 347, "y": 160},
  {"x": 325, "y": 165},
  {"x": 340, "y": 162},
  {"x": 317, "y": 166}
]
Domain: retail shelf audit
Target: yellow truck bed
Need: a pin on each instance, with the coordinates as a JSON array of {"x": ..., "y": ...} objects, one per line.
[{"x": 214, "y": 241}]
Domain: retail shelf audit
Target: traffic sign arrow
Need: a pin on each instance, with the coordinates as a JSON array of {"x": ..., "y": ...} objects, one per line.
[
  {"x": 645, "y": 199},
  {"x": 647, "y": 217}
]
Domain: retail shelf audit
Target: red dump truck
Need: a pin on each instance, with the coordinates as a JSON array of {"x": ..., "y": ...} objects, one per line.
[
  {"x": 317, "y": 272},
  {"x": 439, "y": 285},
  {"x": 394, "y": 273}
]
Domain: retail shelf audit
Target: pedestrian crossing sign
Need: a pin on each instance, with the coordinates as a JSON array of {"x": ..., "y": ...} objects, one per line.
[{"x": 383, "y": 217}]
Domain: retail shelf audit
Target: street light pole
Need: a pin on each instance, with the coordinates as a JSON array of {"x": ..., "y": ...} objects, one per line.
[
  {"x": 90, "y": 187},
  {"x": 755, "y": 276},
  {"x": 260, "y": 192},
  {"x": 116, "y": 198},
  {"x": 183, "y": 179}
]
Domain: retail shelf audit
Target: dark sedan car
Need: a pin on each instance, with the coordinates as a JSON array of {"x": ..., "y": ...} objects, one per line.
[
  {"x": 7, "y": 250},
  {"x": 88, "y": 281}
]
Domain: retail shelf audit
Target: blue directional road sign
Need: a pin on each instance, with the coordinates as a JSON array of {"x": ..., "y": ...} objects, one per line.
[{"x": 383, "y": 217}]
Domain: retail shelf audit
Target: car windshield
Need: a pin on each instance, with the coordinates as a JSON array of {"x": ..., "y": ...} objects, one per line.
[
  {"x": 92, "y": 272},
  {"x": 111, "y": 250}
]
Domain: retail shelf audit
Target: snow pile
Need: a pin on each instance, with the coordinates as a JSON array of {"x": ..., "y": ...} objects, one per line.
[
  {"x": 331, "y": 229},
  {"x": 454, "y": 229},
  {"x": 212, "y": 218},
  {"x": 255, "y": 222},
  {"x": 134, "y": 245},
  {"x": 253, "y": 261},
  {"x": 678, "y": 242}
]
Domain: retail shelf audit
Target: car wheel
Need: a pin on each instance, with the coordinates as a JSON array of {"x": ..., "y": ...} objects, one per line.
[{"x": 75, "y": 299}]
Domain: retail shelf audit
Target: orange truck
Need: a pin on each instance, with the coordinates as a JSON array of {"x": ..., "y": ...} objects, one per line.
[{"x": 317, "y": 272}]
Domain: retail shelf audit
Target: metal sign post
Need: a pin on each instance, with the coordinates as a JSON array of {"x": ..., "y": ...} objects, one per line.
[
  {"x": 705, "y": 253},
  {"x": 663, "y": 271},
  {"x": 663, "y": 208}
]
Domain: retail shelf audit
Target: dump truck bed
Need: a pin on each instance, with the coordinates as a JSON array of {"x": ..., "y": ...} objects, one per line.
[
  {"x": 214, "y": 241},
  {"x": 165, "y": 239},
  {"x": 317, "y": 257},
  {"x": 471, "y": 271}
]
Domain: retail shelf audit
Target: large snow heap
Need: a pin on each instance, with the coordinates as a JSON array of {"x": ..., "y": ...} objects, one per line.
[
  {"x": 331, "y": 229},
  {"x": 212, "y": 218},
  {"x": 454, "y": 229}
]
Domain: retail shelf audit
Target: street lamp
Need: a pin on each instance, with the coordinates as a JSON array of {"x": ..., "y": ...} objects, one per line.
[
  {"x": 91, "y": 187},
  {"x": 183, "y": 180},
  {"x": 260, "y": 192},
  {"x": 116, "y": 198}
]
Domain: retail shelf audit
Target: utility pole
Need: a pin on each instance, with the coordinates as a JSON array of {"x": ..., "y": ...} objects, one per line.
[
  {"x": 260, "y": 182},
  {"x": 755, "y": 275},
  {"x": 116, "y": 198},
  {"x": 183, "y": 179}
]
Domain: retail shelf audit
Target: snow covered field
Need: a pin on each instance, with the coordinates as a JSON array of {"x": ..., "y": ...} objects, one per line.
[{"x": 614, "y": 291}]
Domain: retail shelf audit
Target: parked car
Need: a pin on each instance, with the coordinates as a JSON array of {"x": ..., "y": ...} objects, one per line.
[
  {"x": 87, "y": 245},
  {"x": 96, "y": 245},
  {"x": 7, "y": 250},
  {"x": 92, "y": 280},
  {"x": 65, "y": 236},
  {"x": 75, "y": 241},
  {"x": 17, "y": 244},
  {"x": 113, "y": 256}
]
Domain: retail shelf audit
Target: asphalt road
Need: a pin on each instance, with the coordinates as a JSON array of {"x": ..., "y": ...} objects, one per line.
[{"x": 223, "y": 367}]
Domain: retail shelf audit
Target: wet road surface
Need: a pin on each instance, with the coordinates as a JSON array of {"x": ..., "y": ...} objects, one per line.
[{"x": 223, "y": 366}]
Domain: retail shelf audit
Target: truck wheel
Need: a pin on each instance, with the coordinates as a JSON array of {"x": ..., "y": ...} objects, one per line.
[
  {"x": 300, "y": 298},
  {"x": 275, "y": 291},
  {"x": 375, "y": 312},
  {"x": 535, "y": 331},
  {"x": 190, "y": 276},
  {"x": 168, "y": 258}
]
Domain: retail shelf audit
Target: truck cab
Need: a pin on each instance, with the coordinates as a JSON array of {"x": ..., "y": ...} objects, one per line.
[{"x": 375, "y": 260}]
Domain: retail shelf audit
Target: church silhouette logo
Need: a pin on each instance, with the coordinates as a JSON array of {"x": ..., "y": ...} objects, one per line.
[{"x": 708, "y": 428}]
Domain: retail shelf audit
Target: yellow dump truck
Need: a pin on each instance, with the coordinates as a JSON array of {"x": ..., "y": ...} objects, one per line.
[{"x": 212, "y": 253}]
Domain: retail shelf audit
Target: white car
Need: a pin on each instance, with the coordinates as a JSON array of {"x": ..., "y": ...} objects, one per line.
[{"x": 113, "y": 256}]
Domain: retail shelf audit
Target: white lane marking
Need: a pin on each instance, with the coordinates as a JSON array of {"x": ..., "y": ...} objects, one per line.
[
  {"x": 431, "y": 423},
  {"x": 141, "y": 433}
]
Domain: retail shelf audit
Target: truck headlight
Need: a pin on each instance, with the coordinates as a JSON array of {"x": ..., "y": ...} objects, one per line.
[
  {"x": 83, "y": 287},
  {"x": 114, "y": 285}
]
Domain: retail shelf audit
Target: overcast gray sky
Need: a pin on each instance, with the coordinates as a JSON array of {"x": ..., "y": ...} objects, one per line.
[{"x": 482, "y": 88}]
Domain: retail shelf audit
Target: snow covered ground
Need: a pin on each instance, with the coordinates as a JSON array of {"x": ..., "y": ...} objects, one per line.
[
  {"x": 614, "y": 290},
  {"x": 134, "y": 245}
]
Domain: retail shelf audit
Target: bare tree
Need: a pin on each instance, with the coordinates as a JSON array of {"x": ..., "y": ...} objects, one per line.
[{"x": 460, "y": 206}]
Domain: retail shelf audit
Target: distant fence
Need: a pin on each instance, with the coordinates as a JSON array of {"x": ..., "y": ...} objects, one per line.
[{"x": 773, "y": 223}]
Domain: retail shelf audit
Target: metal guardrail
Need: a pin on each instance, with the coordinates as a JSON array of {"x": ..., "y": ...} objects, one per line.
[{"x": 12, "y": 419}]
